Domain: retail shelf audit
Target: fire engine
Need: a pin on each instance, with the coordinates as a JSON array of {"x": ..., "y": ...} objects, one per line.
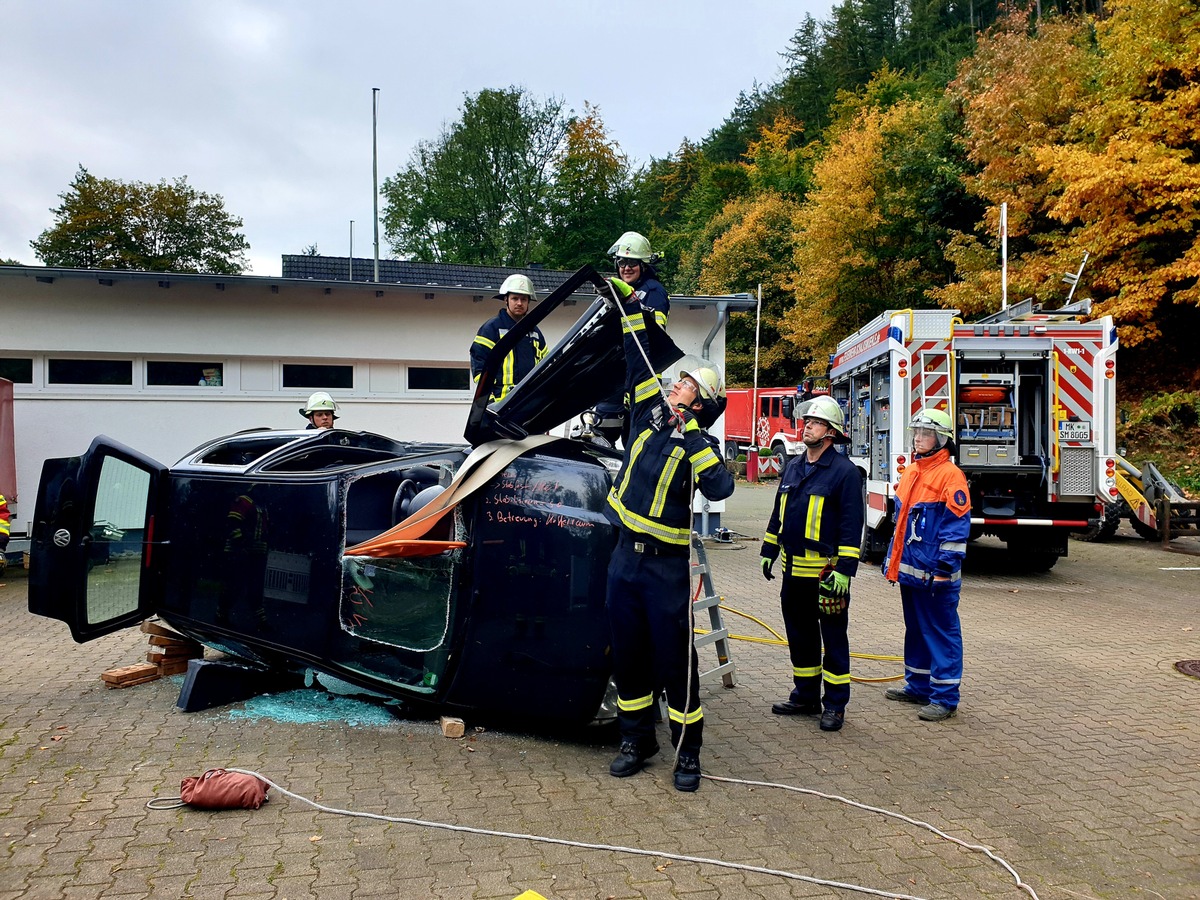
[
  {"x": 775, "y": 424},
  {"x": 1033, "y": 398}
]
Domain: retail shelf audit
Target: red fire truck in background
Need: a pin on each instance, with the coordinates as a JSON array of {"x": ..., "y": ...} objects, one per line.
[
  {"x": 1033, "y": 398},
  {"x": 774, "y": 423}
]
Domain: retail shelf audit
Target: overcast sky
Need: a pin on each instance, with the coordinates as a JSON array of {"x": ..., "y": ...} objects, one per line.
[{"x": 269, "y": 104}]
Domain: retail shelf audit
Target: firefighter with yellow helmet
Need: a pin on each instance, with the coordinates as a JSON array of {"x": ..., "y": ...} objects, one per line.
[
  {"x": 648, "y": 600},
  {"x": 320, "y": 410},
  {"x": 816, "y": 526},
  {"x": 925, "y": 558},
  {"x": 634, "y": 261},
  {"x": 517, "y": 293}
]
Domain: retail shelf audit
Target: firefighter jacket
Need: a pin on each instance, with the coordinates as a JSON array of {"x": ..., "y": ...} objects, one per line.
[
  {"x": 818, "y": 516},
  {"x": 519, "y": 363},
  {"x": 4, "y": 520},
  {"x": 932, "y": 524},
  {"x": 652, "y": 493},
  {"x": 652, "y": 295}
]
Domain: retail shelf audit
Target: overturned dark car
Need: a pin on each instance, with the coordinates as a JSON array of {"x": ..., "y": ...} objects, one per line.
[{"x": 467, "y": 579}]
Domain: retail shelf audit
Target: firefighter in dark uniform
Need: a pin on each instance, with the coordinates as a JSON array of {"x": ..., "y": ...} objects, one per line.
[
  {"x": 517, "y": 293},
  {"x": 817, "y": 522},
  {"x": 649, "y": 597},
  {"x": 634, "y": 261}
]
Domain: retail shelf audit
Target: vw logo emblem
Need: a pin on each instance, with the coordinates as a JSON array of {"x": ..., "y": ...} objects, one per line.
[{"x": 62, "y": 537}]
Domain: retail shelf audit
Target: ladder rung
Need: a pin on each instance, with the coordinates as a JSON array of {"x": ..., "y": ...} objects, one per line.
[
  {"x": 702, "y": 640},
  {"x": 717, "y": 674},
  {"x": 706, "y": 602}
]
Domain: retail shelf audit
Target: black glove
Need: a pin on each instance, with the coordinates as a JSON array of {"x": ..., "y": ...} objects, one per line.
[{"x": 767, "y": 562}]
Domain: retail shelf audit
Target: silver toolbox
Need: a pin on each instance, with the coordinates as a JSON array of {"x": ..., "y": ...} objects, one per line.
[
  {"x": 973, "y": 455},
  {"x": 1002, "y": 455}
]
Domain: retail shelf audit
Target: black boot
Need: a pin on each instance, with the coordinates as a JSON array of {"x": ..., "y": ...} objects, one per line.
[
  {"x": 687, "y": 772},
  {"x": 630, "y": 759}
]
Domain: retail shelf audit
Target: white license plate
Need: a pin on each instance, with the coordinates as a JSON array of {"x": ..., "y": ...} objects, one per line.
[{"x": 1074, "y": 431}]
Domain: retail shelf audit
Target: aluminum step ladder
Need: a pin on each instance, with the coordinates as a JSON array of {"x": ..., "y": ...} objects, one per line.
[{"x": 717, "y": 636}]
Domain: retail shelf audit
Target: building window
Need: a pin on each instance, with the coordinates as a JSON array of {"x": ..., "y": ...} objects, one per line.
[
  {"x": 430, "y": 378},
  {"x": 177, "y": 374},
  {"x": 18, "y": 371},
  {"x": 91, "y": 371},
  {"x": 302, "y": 376}
]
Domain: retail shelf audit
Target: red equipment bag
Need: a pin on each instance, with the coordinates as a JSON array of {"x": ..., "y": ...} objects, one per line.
[{"x": 221, "y": 789}]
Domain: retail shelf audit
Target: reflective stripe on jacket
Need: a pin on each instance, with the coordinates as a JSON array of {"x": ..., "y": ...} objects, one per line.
[
  {"x": 4, "y": 520},
  {"x": 932, "y": 524},
  {"x": 818, "y": 516},
  {"x": 519, "y": 362},
  {"x": 651, "y": 495}
]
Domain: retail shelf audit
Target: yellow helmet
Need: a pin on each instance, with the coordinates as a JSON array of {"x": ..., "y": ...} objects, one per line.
[
  {"x": 936, "y": 420},
  {"x": 632, "y": 245}
]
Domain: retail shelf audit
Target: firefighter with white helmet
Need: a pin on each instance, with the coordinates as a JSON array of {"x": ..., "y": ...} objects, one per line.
[
  {"x": 668, "y": 453},
  {"x": 925, "y": 558},
  {"x": 634, "y": 261},
  {"x": 817, "y": 527},
  {"x": 320, "y": 410},
  {"x": 517, "y": 293}
]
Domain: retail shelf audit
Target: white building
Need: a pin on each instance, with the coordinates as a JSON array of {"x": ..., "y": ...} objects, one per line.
[{"x": 163, "y": 362}]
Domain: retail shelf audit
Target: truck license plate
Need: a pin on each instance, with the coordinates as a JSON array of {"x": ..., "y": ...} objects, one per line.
[{"x": 1074, "y": 431}]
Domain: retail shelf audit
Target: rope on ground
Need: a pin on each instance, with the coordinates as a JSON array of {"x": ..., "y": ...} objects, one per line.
[
  {"x": 544, "y": 839},
  {"x": 978, "y": 848}
]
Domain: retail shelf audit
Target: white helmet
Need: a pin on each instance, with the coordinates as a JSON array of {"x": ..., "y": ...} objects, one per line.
[
  {"x": 936, "y": 420},
  {"x": 319, "y": 402},
  {"x": 632, "y": 245},
  {"x": 517, "y": 284},
  {"x": 712, "y": 392},
  {"x": 827, "y": 410}
]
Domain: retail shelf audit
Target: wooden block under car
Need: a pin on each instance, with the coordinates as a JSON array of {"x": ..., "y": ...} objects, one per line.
[
  {"x": 127, "y": 676},
  {"x": 151, "y": 626},
  {"x": 452, "y": 727},
  {"x": 157, "y": 640}
]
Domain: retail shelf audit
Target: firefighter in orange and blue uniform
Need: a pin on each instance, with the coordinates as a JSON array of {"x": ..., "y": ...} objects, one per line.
[
  {"x": 925, "y": 557},
  {"x": 4, "y": 532},
  {"x": 518, "y": 294},
  {"x": 649, "y": 596},
  {"x": 817, "y": 523}
]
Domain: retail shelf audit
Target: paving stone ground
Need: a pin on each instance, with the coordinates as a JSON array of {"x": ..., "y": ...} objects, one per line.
[{"x": 1075, "y": 756}]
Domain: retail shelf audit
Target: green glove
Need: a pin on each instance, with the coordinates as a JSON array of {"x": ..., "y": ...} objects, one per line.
[
  {"x": 623, "y": 290},
  {"x": 833, "y": 593},
  {"x": 767, "y": 562}
]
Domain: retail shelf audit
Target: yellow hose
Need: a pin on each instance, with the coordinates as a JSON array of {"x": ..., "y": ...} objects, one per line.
[{"x": 779, "y": 641}]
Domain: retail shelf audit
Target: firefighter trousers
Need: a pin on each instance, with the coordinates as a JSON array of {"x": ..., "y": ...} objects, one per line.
[
  {"x": 649, "y": 611},
  {"x": 807, "y": 630},
  {"x": 933, "y": 648}
]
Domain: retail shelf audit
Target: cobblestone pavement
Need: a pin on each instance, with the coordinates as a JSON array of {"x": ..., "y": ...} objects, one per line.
[{"x": 1075, "y": 756}]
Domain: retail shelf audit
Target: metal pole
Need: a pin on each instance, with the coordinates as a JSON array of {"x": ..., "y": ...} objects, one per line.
[
  {"x": 754, "y": 393},
  {"x": 1004, "y": 255},
  {"x": 375, "y": 169},
  {"x": 351, "y": 249}
]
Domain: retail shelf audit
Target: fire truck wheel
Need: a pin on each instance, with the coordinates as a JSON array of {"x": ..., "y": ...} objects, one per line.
[
  {"x": 780, "y": 456},
  {"x": 731, "y": 451}
]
